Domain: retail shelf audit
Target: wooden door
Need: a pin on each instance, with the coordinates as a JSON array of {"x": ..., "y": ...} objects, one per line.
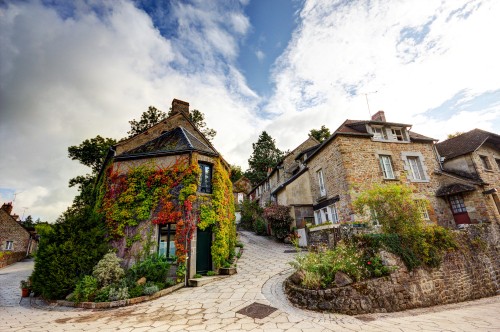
[
  {"x": 203, "y": 251},
  {"x": 458, "y": 209}
]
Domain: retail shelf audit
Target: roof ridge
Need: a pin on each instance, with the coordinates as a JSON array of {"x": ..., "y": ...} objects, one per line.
[{"x": 185, "y": 135}]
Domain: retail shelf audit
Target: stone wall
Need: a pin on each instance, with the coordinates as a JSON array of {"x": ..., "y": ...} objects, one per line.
[
  {"x": 472, "y": 272},
  {"x": 11, "y": 230}
]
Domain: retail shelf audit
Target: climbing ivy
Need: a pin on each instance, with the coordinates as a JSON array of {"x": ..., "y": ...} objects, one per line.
[{"x": 218, "y": 213}]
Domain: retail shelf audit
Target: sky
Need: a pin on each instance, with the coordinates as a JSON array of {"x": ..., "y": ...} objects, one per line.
[{"x": 72, "y": 70}]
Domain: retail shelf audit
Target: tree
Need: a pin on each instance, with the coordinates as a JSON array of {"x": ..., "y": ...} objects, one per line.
[
  {"x": 236, "y": 173},
  {"x": 265, "y": 155},
  {"x": 457, "y": 133},
  {"x": 148, "y": 119},
  {"x": 28, "y": 222},
  {"x": 320, "y": 134},
  {"x": 198, "y": 119},
  {"x": 91, "y": 152}
]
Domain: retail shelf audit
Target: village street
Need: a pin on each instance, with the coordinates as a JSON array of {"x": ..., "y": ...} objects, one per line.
[{"x": 214, "y": 307}]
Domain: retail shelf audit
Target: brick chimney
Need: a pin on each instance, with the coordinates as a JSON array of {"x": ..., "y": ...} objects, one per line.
[
  {"x": 379, "y": 116},
  {"x": 179, "y": 106},
  {"x": 7, "y": 207}
]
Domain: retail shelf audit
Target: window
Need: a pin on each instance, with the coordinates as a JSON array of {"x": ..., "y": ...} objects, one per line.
[
  {"x": 326, "y": 214},
  {"x": 486, "y": 163},
  {"x": 398, "y": 134},
  {"x": 416, "y": 169},
  {"x": 374, "y": 217},
  {"x": 422, "y": 206},
  {"x": 457, "y": 204},
  {"x": 385, "y": 163},
  {"x": 206, "y": 178},
  {"x": 322, "y": 189},
  {"x": 498, "y": 163},
  {"x": 379, "y": 133},
  {"x": 240, "y": 198},
  {"x": 166, "y": 241},
  {"x": 9, "y": 245}
]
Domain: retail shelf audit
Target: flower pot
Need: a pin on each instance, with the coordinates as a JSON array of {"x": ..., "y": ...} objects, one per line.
[{"x": 25, "y": 292}]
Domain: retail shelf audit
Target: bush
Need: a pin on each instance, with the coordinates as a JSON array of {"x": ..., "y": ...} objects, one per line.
[
  {"x": 135, "y": 291},
  {"x": 259, "y": 226},
  {"x": 211, "y": 273},
  {"x": 108, "y": 270},
  {"x": 250, "y": 212},
  {"x": 154, "y": 268},
  {"x": 85, "y": 289},
  {"x": 278, "y": 217},
  {"x": 320, "y": 267},
  {"x": 118, "y": 293},
  {"x": 149, "y": 290}
]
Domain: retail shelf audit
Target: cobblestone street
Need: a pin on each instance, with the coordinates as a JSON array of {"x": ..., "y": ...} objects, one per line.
[{"x": 214, "y": 307}]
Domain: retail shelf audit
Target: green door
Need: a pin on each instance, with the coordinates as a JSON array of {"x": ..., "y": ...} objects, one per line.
[{"x": 203, "y": 251}]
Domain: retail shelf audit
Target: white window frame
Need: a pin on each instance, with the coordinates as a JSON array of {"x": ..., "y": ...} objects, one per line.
[
  {"x": 401, "y": 134},
  {"x": 240, "y": 198},
  {"x": 379, "y": 133},
  {"x": 327, "y": 214},
  {"x": 321, "y": 181},
  {"x": 9, "y": 245},
  {"x": 374, "y": 217},
  {"x": 386, "y": 165},
  {"x": 416, "y": 168},
  {"x": 317, "y": 217}
]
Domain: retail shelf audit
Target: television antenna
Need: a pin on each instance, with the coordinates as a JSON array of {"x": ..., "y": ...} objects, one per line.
[
  {"x": 15, "y": 195},
  {"x": 367, "y": 103},
  {"x": 24, "y": 210}
]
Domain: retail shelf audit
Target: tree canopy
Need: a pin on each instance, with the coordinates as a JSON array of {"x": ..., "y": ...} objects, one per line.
[
  {"x": 148, "y": 119},
  {"x": 320, "y": 134},
  {"x": 91, "y": 152},
  {"x": 236, "y": 173},
  {"x": 265, "y": 155}
]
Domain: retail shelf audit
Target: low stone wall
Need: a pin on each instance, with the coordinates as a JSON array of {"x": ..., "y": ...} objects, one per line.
[
  {"x": 11, "y": 257},
  {"x": 471, "y": 272}
]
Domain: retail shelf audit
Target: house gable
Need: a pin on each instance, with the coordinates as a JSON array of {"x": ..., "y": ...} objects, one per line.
[{"x": 13, "y": 236}]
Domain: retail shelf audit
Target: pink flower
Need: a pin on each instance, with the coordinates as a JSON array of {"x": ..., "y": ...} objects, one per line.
[{"x": 368, "y": 262}]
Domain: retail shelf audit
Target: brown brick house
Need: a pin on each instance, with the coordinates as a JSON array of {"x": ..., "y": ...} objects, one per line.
[
  {"x": 14, "y": 238},
  {"x": 362, "y": 153},
  {"x": 172, "y": 142},
  {"x": 470, "y": 179}
]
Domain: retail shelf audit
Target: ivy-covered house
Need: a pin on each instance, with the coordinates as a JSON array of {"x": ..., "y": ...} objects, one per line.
[{"x": 167, "y": 190}]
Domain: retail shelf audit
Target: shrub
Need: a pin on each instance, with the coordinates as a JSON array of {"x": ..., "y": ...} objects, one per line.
[
  {"x": 108, "y": 270},
  {"x": 118, "y": 293},
  {"x": 135, "y": 291},
  {"x": 211, "y": 273},
  {"x": 278, "y": 217},
  {"x": 250, "y": 212},
  {"x": 102, "y": 295},
  {"x": 85, "y": 289},
  {"x": 154, "y": 268},
  {"x": 196, "y": 276},
  {"x": 149, "y": 290},
  {"x": 259, "y": 226}
]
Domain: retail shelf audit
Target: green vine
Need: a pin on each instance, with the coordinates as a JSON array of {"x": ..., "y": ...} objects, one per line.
[{"x": 219, "y": 214}]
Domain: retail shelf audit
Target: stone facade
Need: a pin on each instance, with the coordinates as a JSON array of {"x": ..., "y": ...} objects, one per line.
[
  {"x": 351, "y": 165},
  {"x": 14, "y": 238},
  {"x": 472, "y": 272}
]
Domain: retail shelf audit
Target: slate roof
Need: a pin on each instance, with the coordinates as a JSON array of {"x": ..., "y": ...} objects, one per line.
[
  {"x": 175, "y": 141},
  {"x": 454, "y": 188},
  {"x": 466, "y": 143}
]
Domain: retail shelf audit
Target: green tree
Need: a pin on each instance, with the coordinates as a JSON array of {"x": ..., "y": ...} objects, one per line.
[
  {"x": 457, "y": 133},
  {"x": 198, "y": 119},
  {"x": 148, "y": 119},
  {"x": 28, "y": 222},
  {"x": 320, "y": 134},
  {"x": 91, "y": 152},
  {"x": 265, "y": 155},
  {"x": 236, "y": 173}
]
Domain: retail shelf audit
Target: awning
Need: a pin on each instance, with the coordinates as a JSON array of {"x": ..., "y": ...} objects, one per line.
[{"x": 453, "y": 189}]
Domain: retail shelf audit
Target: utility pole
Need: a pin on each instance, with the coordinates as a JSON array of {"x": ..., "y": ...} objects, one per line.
[{"x": 367, "y": 103}]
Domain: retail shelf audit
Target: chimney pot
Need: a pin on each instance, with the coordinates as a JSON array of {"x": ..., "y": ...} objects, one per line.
[
  {"x": 179, "y": 106},
  {"x": 7, "y": 207},
  {"x": 379, "y": 116}
]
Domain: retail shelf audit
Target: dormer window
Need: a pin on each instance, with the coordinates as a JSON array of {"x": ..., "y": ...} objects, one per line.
[
  {"x": 379, "y": 133},
  {"x": 398, "y": 134}
]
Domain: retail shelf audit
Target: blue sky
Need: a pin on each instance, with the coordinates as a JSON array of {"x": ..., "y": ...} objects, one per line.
[{"x": 73, "y": 70}]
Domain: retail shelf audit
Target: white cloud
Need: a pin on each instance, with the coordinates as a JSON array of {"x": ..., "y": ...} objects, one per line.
[
  {"x": 66, "y": 80},
  {"x": 260, "y": 55},
  {"x": 416, "y": 55}
]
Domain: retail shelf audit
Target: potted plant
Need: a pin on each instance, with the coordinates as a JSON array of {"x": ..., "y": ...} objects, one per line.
[{"x": 25, "y": 288}]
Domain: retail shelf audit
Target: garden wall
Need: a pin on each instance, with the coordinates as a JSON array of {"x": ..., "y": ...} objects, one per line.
[
  {"x": 471, "y": 272},
  {"x": 8, "y": 258}
]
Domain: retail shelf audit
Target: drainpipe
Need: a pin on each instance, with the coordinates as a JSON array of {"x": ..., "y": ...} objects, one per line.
[{"x": 438, "y": 157}]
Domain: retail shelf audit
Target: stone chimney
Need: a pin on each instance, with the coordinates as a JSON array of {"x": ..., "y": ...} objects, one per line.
[
  {"x": 7, "y": 207},
  {"x": 179, "y": 106},
  {"x": 379, "y": 116}
]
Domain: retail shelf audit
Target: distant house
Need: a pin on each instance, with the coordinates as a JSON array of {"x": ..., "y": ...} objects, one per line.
[
  {"x": 266, "y": 192},
  {"x": 470, "y": 179},
  {"x": 165, "y": 192},
  {"x": 241, "y": 188},
  {"x": 16, "y": 242}
]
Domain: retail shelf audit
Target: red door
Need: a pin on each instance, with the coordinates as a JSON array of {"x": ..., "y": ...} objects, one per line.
[{"x": 458, "y": 208}]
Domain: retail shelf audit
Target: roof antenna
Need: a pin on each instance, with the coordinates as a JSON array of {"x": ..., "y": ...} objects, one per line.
[{"x": 367, "y": 103}]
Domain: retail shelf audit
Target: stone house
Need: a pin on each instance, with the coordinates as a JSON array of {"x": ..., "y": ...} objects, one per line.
[
  {"x": 356, "y": 156},
  {"x": 15, "y": 240},
  {"x": 174, "y": 143},
  {"x": 288, "y": 169},
  {"x": 470, "y": 176}
]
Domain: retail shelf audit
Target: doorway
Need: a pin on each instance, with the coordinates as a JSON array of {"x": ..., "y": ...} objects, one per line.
[{"x": 203, "y": 251}]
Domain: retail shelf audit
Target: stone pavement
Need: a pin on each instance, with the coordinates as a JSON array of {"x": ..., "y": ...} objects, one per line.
[
  {"x": 218, "y": 306},
  {"x": 10, "y": 278}
]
